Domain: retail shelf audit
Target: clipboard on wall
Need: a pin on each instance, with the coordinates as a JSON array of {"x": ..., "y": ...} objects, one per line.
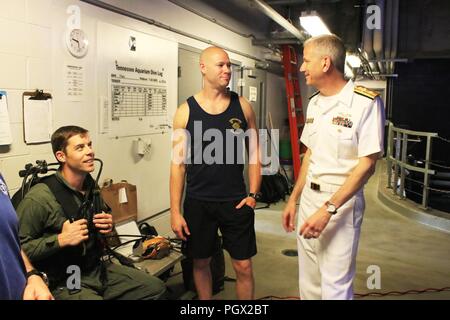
[{"x": 37, "y": 116}]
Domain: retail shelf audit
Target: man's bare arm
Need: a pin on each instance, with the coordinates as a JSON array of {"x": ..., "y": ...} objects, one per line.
[
  {"x": 35, "y": 288},
  {"x": 254, "y": 150},
  {"x": 178, "y": 171}
]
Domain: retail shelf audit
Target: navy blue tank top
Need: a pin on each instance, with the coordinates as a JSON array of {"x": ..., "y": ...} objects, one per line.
[{"x": 215, "y": 164}]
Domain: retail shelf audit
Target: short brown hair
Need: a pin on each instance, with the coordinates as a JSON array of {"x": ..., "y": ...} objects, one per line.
[{"x": 62, "y": 135}]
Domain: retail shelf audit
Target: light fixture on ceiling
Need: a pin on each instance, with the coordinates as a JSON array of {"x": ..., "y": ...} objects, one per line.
[{"x": 313, "y": 24}]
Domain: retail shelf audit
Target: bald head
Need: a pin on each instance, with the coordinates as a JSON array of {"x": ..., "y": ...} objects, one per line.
[
  {"x": 211, "y": 52},
  {"x": 215, "y": 66}
]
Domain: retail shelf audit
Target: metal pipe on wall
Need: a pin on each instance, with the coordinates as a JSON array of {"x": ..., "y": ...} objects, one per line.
[
  {"x": 367, "y": 42},
  {"x": 286, "y": 2},
  {"x": 394, "y": 33},
  {"x": 158, "y": 24},
  {"x": 387, "y": 33},
  {"x": 378, "y": 39},
  {"x": 271, "y": 67}
]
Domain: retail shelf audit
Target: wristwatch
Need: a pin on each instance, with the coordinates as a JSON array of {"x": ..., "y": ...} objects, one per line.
[
  {"x": 35, "y": 272},
  {"x": 331, "y": 208},
  {"x": 255, "y": 196}
]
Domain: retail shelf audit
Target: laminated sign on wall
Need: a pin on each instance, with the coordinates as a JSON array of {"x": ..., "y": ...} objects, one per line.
[{"x": 140, "y": 73}]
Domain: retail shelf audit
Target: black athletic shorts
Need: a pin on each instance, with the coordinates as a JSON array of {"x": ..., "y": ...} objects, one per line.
[{"x": 204, "y": 218}]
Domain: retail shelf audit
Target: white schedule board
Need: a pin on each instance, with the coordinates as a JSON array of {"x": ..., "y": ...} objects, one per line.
[
  {"x": 137, "y": 97},
  {"x": 138, "y": 81}
]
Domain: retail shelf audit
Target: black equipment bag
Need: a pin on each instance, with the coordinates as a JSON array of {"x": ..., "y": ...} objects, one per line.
[
  {"x": 273, "y": 188},
  {"x": 217, "y": 266}
]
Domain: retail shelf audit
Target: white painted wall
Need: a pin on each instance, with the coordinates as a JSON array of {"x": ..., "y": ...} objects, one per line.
[{"x": 32, "y": 55}]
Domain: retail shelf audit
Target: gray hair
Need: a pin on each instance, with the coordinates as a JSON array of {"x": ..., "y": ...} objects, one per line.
[{"x": 332, "y": 46}]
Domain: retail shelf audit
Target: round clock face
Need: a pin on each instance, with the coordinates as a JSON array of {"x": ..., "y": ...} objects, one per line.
[{"x": 77, "y": 42}]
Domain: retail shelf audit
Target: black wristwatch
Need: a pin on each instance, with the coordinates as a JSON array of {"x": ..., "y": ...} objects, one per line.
[
  {"x": 255, "y": 196},
  {"x": 35, "y": 272}
]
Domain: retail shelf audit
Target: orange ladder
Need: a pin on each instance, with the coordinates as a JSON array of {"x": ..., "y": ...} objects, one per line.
[{"x": 295, "y": 110}]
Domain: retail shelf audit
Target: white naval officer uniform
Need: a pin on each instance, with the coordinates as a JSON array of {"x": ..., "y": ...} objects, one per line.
[{"x": 338, "y": 130}]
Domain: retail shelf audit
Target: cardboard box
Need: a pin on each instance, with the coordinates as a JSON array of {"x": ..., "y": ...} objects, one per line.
[{"x": 122, "y": 199}]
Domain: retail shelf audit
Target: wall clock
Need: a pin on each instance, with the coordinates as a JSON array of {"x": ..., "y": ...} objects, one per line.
[{"x": 77, "y": 42}]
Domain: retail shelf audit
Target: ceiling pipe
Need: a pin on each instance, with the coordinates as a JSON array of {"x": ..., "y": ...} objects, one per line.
[
  {"x": 367, "y": 42},
  {"x": 387, "y": 31},
  {"x": 276, "y": 57},
  {"x": 270, "y": 66},
  {"x": 380, "y": 45},
  {"x": 278, "y": 18},
  {"x": 286, "y": 2},
  {"x": 372, "y": 40},
  {"x": 272, "y": 42},
  {"x": 390, "y": 60},
  {"x": 378, "y": 36},
  {"x": 132, "y": 15},
  {"x": 394, "y": 34}
]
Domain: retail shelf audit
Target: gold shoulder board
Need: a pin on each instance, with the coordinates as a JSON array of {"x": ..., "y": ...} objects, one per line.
[{"x": 366, "y": 92}]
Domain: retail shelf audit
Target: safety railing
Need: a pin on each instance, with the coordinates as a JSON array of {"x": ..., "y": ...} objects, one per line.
[{"x": 397, "y": 160}]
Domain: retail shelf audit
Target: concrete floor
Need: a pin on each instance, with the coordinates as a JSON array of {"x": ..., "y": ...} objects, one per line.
[{"x": 410, "y": 256}]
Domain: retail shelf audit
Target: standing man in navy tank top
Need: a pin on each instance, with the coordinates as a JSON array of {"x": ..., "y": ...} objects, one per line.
[{"x": 210, "y": 131}]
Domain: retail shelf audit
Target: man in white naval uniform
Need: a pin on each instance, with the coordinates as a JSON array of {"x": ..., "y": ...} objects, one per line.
[{"x": 343, "y": 134}]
